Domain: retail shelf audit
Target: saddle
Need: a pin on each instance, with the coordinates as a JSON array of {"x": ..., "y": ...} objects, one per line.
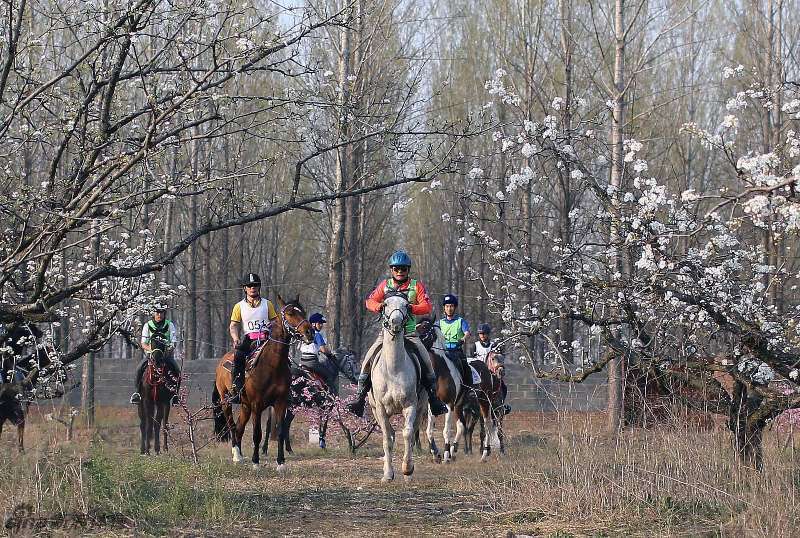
[
  {"x": 411, "y": 349},
  {"x": 250, "y": 361}
]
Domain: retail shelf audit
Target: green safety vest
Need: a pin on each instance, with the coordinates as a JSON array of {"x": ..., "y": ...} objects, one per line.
[
  {"x": 451, "y": 330},
  {"x": 411, "y": 293},
  {"x": 159, "y": 331}
]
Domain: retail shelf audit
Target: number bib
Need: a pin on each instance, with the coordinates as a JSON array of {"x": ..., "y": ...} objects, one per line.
[{"x": 255, "y": 320}]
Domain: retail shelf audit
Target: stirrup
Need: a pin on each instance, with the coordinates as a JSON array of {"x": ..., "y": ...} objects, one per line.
[
  {"x": 506, "y": 409},
  {"x": 175, "y": 401},
  {"x": 136, "y": 398}
]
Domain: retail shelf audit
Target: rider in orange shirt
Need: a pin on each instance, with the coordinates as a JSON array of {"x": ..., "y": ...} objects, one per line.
[{"x": 420, "y": 305}]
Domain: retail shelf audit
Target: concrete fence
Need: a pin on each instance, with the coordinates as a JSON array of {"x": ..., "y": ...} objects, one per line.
[{"x": 114, "y": 384}]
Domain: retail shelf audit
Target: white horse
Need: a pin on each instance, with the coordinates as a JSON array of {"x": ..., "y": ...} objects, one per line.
[
  {"x": 395, "y": 385},
  {"x": 449, "y": 389}
]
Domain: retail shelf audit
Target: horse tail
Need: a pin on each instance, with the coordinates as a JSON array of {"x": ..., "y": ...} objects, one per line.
[{"x": 221, "y": 429}]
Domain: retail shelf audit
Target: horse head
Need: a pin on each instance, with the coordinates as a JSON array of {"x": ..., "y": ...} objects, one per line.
[
  {"x": 395, "y": 312},
  {"x": 496, "y": 363},
  {"x": 158, "y": 349},
  {"x": 293, "y": 317}
]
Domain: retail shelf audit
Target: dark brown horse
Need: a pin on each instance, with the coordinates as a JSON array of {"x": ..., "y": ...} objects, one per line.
[
  {"x": 491, "y": 399},
  {"x": 157, "y": 387},
  {"x": 267, "y": 384},
  {"x": 11, "y": 409}
]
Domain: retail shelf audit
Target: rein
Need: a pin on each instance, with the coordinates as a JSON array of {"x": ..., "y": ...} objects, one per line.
[
  {"x": 385, "y": 315},
  {"x": 293, "y": 330}
]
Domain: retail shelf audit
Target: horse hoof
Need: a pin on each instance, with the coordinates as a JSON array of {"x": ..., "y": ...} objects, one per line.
[
  {"x": 484, "y": 456},
  {"x": 256, "y": 467},
  {"x": 437, "y": 458},
  {"x": 407, "y": 478},
  {"x": 446, "y": 457},
  {"x": 387, "y": 478},
  {"x": 281, "y": 468},
  {"x": 237, "y": 455}
]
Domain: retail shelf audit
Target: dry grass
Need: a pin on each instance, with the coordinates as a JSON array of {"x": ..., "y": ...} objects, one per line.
[{"x": 562, "y": 477}]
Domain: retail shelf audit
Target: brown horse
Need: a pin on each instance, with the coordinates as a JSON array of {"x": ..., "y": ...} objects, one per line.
[
  {"x": 157, "y": 387},
  {"x": 491, "y": 398},
  {"x": 268, "y": 383}
]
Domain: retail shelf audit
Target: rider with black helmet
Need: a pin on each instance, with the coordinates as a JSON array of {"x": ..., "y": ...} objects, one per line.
[
  {"x": 420, "y": 305},
  {"x": 455, "y": 331},
  {"x": 483, "y": 346},
  {"x": 249, "y": 320},
  {"x": 158, "y": 327}
]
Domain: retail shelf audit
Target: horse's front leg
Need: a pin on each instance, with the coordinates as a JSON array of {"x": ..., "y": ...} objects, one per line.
[
  {"x": 279, "y": 410},
  {"x": 488, "y": 419},
  {"x": 159, "y": 416},
  {"x": 257, "y": 434},
  {"x": 430, "y": 432},
  {"x": 448, "y": 432},
  {"x": 238, "y": 433},
  {"x": 459, "y": 424},
  {"x": 21, "y": 437},
  {"x": 388, "y": 442},
  {"x": 410, "y": 416}
]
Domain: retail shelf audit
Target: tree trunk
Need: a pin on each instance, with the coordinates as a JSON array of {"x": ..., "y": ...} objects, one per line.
[{"x": 616, "y": 367}]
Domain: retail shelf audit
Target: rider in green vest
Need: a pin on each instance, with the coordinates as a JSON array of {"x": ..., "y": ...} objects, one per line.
[
  {"x": 455, "y": 331},
  {"x": 159, "y": 327},
  {"x": 420, "y": 305}
]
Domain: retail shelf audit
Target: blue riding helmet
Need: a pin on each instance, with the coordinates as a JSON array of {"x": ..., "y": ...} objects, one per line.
[
  {"x": 485, "y": 328},
  {"x": 450, "y": 299},
  {"x": 400, "y": 258},
  {"x": 316, "y": 317}
]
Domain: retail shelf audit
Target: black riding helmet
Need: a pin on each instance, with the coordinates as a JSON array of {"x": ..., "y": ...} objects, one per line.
[{"x": 251, "y": 279}]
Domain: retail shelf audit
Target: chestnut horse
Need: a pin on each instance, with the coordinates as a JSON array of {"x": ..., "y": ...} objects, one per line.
[{"x": 267, "y": 384}]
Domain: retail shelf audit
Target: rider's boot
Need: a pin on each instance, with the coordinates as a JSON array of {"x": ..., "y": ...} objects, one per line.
[
  {"x": 429, "y": 383},
  {"x": 237, "y": 380},
  {"x": 364, "y": 385},
  {"x": 136, "y": 397},
  {"x": 506, "y": 409}
]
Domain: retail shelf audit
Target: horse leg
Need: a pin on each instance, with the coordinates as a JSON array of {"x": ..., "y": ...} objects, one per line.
[
  {"x": 430, "y": 432},
  {"x": 486, "y": 414},
  {"x": 448, "y": 431},
  {"x": 257, "y": 435},
  {"x": 142, "y": 426},
  {"x": 459, "y": 424},
  {"x": 287, "y": 422},
  {"x": 268, "y": 429},
  {"x": 21, "y": 437},
  {"x": 501, "y": 434},
  {"x": 159, "y": 417},
  {"x": 482, "y": 432},
  {"x": 280, "y": 410},
  {"x": 238, "y": 433},
  {"x": 410, "y": 415},
  {"x": 388, "y": 442}
]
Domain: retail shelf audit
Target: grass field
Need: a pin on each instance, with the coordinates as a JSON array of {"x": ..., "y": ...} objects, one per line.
[{"x": 562, "y": 477}]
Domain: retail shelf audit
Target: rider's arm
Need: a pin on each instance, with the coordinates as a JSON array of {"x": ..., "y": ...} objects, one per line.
[
  {"x": 173, "y": 335},
  {"x": 319, "y": 339},
  {"x": 422, "y": 306},
  {"x": 146, "y": 338},
  {"x": 236, "y": 321},
  {"x": 375, "y": 299}
]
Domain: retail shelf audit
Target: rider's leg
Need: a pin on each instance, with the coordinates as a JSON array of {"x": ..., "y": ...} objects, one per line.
[
  {"x": 239, "y": 356},
  {"x": 364, "y": 382},
  {"x": 428, "y": 376},
  {"x": 137, "y": 380}
]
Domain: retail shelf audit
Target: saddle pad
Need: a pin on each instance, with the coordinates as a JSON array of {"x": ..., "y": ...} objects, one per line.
[{"x": 476, "y": 377}]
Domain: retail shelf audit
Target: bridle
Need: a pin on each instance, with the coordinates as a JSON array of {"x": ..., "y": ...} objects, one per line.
[
  {"x": 386, "y": 315},
  {"x": 295, "y": 331}
]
